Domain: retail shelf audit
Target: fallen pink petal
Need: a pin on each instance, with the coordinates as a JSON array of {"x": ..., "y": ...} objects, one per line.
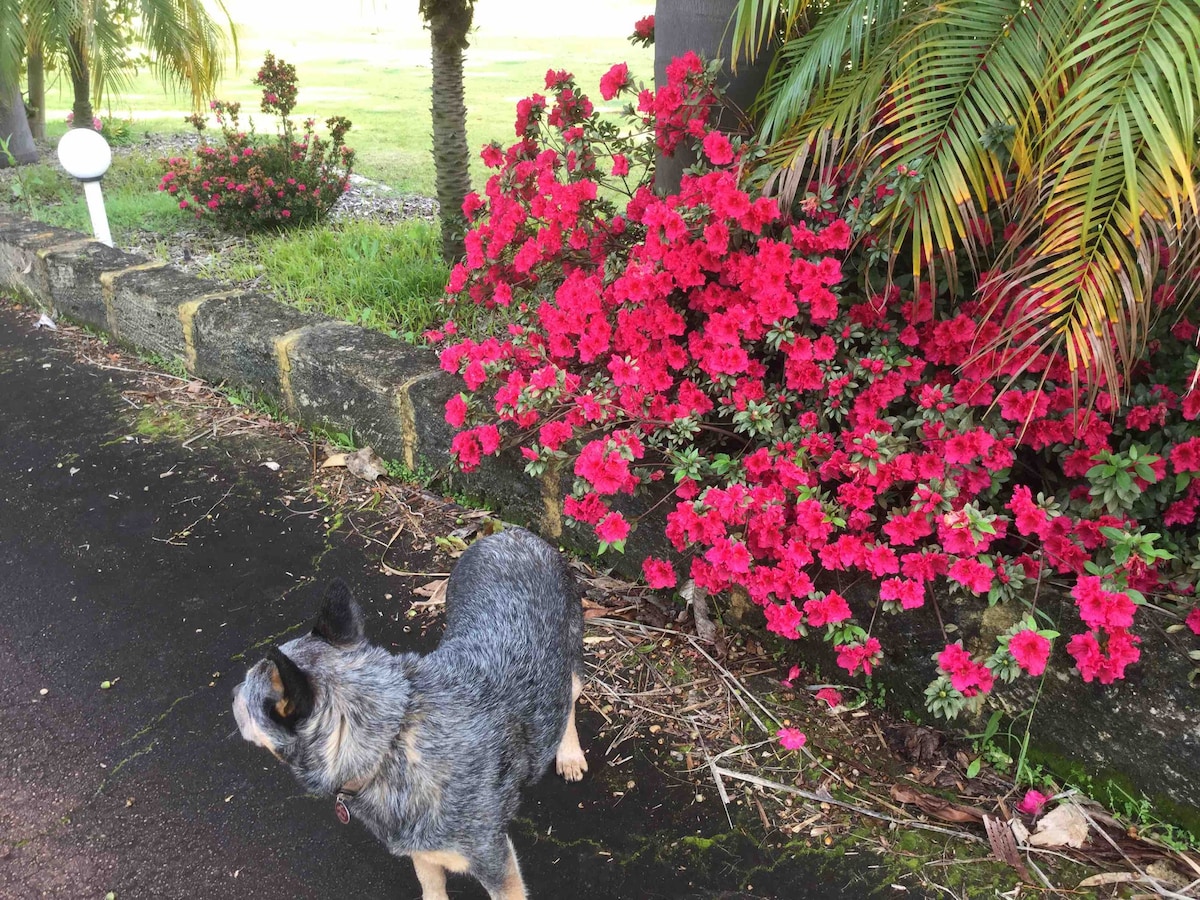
[{"x": 792, "y": 738}]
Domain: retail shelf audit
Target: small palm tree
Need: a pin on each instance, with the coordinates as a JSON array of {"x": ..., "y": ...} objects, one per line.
[
  {"x": 449, "y": 22},
  {"x": 1051, "y": 145},
  {"x": 91, "y": 40},
  {"x": 14, "y": 127}
]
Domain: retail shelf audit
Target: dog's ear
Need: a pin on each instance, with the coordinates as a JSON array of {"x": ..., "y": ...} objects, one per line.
[
  {"x": 296, "y": 693},
  {"x": 341, "y": 618}
]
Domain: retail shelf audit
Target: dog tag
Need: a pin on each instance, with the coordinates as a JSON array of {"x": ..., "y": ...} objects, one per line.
[{"x": 342, "y": 810}]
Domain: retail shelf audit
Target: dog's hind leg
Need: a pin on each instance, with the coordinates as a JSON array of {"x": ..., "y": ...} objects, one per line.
[
  {"x": 570, "y": 762},
  {"x": 503, "y": 881},
  {"x": 432, "y": 876}
]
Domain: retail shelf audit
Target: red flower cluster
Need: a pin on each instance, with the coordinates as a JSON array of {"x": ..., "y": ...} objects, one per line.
[
  {"x": 966, "y": 675},
  {"x": 709, "y": 341},
  {"x": 643, "y": 31}
]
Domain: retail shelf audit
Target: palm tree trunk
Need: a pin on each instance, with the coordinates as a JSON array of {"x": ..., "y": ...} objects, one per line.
[
  {"x": 451, "y": 155},
  {"x": 36, "y": 68},
  {"x": 81, "y": 82},
  {"x": 14, "y": 126},
  {"x": 703, "y": 26}
]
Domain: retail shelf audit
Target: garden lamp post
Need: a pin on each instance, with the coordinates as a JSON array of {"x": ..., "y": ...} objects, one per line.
[{"x": 86, "y": 155}]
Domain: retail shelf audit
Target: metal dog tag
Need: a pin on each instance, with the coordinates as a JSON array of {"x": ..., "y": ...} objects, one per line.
[{"x": 341, "y": 809}]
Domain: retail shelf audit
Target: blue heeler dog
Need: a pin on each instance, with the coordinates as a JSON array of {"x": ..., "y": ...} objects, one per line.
[{"x": 431, "y": 752}]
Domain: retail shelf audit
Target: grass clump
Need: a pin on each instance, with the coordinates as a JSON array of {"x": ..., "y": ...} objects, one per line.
[
  {"x": 387, "y": 277},
  {"x": 48, "y": 194}
]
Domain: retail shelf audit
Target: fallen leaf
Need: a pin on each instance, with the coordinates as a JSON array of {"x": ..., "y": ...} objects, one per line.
[
  {"x": 272, "y": 465},
  {"x": 1004, "y": 844},
  {"x": 434, "y": 590},
  {"x": 936, "y": 806},
  {"x": 1020, "y": 832},
  {"x": 1065, "y": 826},
  {"x": 334, "y": 461},
  {"x": 44, "y": 321},
  {"x": 365, "y": 464}
]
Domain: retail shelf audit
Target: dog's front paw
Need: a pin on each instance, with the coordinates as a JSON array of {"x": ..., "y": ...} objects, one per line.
[{"x": 571, "y": 763}]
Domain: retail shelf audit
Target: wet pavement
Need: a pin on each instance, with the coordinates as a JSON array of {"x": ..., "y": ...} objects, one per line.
[{"x": 167, "y": 586}]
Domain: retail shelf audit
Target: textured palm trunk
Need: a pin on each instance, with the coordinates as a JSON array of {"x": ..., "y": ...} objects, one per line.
[
  {"x": 14, "y": 126},
  {"x": 703, "y": 26},
  {"x": 80, "y": 81},
  {"x": 451, "y": 155},
  {"x": 36, "y": 67}
]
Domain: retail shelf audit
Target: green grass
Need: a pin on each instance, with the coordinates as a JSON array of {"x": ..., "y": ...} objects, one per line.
[
  {"x": 388, "y": 277},
  {"x": 131, "y": 198},
  {"x": 372, "y": 65}
]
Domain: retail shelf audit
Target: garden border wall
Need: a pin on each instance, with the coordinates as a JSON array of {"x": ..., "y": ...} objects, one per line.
[{"x": 392, "y": 396}]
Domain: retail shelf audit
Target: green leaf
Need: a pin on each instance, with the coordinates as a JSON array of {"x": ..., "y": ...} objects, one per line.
[{"x": 974, "y": 767}]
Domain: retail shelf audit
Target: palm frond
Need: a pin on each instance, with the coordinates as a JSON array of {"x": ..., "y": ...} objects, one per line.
[
  {"x": 186, "y": 42},
  {"x": 12, "y": 40},
  {"x": 967, "y": 70},
  {"x": 840, "y": 39},
  {"x": 836, "y": 126},
  {"x": 756, "y": 22},
  {"x": 1117, "y": 179}
]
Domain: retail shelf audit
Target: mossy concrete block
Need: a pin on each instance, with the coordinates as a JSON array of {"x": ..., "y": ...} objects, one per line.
[
  {"x": 144, "y": 308},
  {"x": 357, "y": 380},
  {"x": 76, "y": 288},
  {"x": 23, "y": 243},
  {"x": 238, "y": 340},
  {"x": 426, "y": 404},
  {"x": 501, "y": 484}
]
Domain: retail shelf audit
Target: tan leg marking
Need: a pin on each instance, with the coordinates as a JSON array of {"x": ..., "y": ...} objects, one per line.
[
  {"x": 514, "y": 887},
  {"x": 570, "y": 762},
  {"x": 432, "y": 877}
]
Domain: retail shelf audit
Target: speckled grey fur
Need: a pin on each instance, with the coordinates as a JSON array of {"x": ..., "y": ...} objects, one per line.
[{"x": 444, "y": 742}]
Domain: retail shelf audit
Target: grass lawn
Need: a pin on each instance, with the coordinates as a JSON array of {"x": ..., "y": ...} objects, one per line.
[{"x": 371, "y": 63}]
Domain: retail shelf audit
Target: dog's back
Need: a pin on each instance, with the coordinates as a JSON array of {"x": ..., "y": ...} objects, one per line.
[{"x": 513, "y": 639}]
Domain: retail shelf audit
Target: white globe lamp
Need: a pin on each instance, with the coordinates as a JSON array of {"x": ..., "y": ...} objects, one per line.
[{"x": 85, "y": 155}]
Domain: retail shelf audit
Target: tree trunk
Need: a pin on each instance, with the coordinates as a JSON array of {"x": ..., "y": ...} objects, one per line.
[
  {"x": 37, "y": 93},
  {"x": 451, "y": 156},
  {"x": 14, "y": 127},
  {"x": 81, "y": 81},
  {"x": 703, "y": 26}
]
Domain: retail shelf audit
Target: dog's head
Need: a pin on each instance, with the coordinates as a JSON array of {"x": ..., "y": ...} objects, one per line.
[{"x": 290, "y": 698}]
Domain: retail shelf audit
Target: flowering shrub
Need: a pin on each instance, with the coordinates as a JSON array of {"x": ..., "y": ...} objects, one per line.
[
  {"x": 251, "y": 182},
  {"x": 802, "y": 418}
]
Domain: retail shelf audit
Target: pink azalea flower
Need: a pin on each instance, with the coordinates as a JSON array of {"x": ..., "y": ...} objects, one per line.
[
  {"x": 612, "y": 528},
  {"x": 1030, "y": 650},
  {"x": 1032, "y": 803},
  {"x": 1193, "y": 620},
  {"x": 832, "y": 696},
  {"x": 792, "y": 675},
  {"x": 658, "y": 573},
  {"x": 791, "y": 738}
]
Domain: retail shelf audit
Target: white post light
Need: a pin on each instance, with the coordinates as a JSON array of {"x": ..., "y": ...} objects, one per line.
[{"x": 85, "y": 155}]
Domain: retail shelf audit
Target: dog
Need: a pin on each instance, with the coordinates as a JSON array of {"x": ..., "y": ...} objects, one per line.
[{"x": 431, "y": 752}]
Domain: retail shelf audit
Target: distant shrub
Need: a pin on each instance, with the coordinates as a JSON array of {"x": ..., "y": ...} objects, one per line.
[{"x": 252, "y": 182}]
